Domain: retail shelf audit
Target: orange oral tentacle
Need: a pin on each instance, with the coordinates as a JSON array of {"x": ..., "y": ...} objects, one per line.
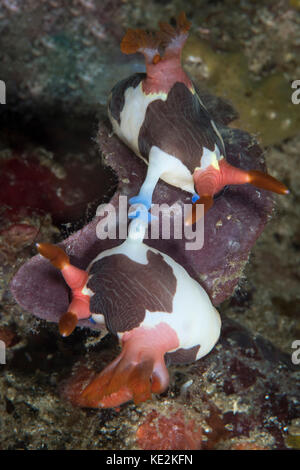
[{"x": 160, "y": 376}]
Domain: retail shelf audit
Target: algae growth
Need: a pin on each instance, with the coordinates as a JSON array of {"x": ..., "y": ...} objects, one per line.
[{"x": 264, "y": 104}]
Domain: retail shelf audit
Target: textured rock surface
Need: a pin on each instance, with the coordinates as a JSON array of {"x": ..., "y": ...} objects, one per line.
[{"x": 246, "y": 392}]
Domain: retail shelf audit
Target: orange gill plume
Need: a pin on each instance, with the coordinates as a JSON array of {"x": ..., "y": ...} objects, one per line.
[
  {"x": 138, "y": 40},
  {"x": 170, "y": 37}
]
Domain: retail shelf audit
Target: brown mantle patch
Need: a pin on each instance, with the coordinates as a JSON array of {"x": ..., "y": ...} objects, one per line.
[{"x": 124, "y": 290}]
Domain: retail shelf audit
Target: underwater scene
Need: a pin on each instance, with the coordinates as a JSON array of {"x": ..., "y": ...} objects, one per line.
[{"x": 150, "y": 226}]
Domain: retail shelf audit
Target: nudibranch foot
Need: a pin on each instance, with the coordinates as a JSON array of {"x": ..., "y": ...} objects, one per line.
[
  {"x": 141, "y": 199},
  {"x": 76, "y": 280},
  {"x": 139, "y": 211},
  {"x": 137, "y": 372},
  {"x": 156, "y": 168}
]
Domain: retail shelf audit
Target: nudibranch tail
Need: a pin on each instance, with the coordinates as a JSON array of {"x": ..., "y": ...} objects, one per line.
[
  {"x": 76, "y": 280},
  {"x": 138, "y": 371}
]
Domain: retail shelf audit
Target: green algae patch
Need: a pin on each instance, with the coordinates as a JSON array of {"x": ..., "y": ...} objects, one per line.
[
  {"x": 264, "y": 105},
  {"x": 295, "y": 4}
]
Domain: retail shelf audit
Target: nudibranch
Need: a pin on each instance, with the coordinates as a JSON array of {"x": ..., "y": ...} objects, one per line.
[
  {"x": 161, "y": 117},
  {"x": 159, "y": 313}
]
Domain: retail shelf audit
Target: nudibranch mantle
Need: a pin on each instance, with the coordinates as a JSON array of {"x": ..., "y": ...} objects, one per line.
[
  {"x": 170, "y": 278},
  {"x": 159, "y": 313},
  {"x": 160, "y": 116}
]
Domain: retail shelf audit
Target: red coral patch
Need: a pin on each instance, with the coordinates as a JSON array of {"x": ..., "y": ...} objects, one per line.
[{"x": 173, "y": 433}]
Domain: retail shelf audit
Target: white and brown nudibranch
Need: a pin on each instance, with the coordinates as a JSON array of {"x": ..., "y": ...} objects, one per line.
[
  {"x": 161, "y": 117},
  {"x": 159, "y": 313}
]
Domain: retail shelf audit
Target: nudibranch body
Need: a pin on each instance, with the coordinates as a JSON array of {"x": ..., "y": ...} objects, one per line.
[
  {"x": 161, "y": 117},
  {"x": 159, "y": 313}
]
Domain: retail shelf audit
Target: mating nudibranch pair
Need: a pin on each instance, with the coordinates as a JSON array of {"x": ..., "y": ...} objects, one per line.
[
  {"x": 159, "y": 313},
  {"x": 161, "y": 117}
]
